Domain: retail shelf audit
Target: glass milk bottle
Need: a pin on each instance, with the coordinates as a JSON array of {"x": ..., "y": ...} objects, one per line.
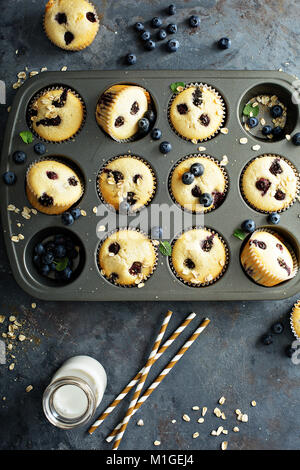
[{"x": 75, "y": 391}]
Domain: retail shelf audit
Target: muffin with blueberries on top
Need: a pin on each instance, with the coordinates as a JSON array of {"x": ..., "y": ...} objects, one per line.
[
  {"x": 71, "y": 24},
  {"x": 197, "y": 112},
  {"x": 198, "y": 183}
]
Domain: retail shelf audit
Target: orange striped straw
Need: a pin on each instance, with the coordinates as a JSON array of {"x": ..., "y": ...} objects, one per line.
[
  {"x": 135, "y": 380},
  {"x": 142, "y": 379},
  {"x": 164, "y": 373}
]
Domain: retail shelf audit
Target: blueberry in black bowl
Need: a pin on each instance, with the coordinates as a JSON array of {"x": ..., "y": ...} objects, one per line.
[
  {"x": 277, "y": 131},
  {"x": 266, "y": 130},
  {"x": 276, "y": 111},
  {"x": 252, "y": 122}
]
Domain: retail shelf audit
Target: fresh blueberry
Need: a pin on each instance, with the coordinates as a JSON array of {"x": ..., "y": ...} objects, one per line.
[
  {"x": 150, "y": 45},
  {"x": 37, "y": 260},
  {"x": 131, "y": 59},
  {"x": 187, "y": 177},
  {"x": 48, "y": 258},
  {"x": 296, "y": 138},
  {"x": 156, "y": 232},
  {"x": 67, "y": 273},
  {"x": 45, "y": 269},
  {"x": 172, "y": 28},
  {"x": 248, "y": 225},
  {"x": 274, "y": 218},
  {"x": 172, "y": 45},
  {"x": 69, "y": 244},
  {"x": 73, "y": 253},
  {"x": 276, "y": 111},
  {"x": 145, "y": 36},
  {"x": 124, "y": 207},
  {"x": 52, "y": 266},
  {"x": 266, "y": 130},
  {"x": 49, "y": 247},
  {"x": 39, "y": 249},
  {"x": 252, "y": 122},
  {"x": 39, "y": 148},
  {"x": 67, "y": 218},
  {"x": 150, "y": 115},
  {"x": 206, "y": 199},
  {"x": 289, "y": 351},
  {"x": 19, "y": 156},
  {"x": 156, "y": 22},
  {"x": 76, "y": 213},
  {"x": 60, "y": 251},
  {"x": 197, "y": 169},
  {"x": 59, "y": 239},
  {"x": 156, "y": 134},
  {"x": 277, "y": 328},
  {"x": 9, "y": 178},
  {"x": 224, "y": 43},
  {"x": 194, "y": 21},
  {"x": 139, "y": 27},
  {"x": 267, "y": 339},
  {"x": 162, "y": 34},
  {"x": 144, "y": 124},
  {"x": 165, "y": 147},
  {"x": 276, "y": 131},
  {"x": 172, "y": 9}
]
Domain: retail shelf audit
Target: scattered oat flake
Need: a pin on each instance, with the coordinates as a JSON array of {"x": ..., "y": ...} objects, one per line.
[
  {"x": 243, "y": 140},
  {"x": 15, "y": 238},
  {"x": 288, "y": 137},
  {"x": 204, "y": 410},
  {"x": 195, "y": 408},
  {"x": 21, "y": 337},
  {"x": 253, "y": 403},
  {"x": 186, "y": 418},
  {"x": 64, "y": 68},
  {"x": 29, "y": 388},
  {"x": 2, "y": 318},
  {"x": 225, "y": 431},
  {"x": 224, "y": 130},
  {"x": 33, "y": 305},
  {"x": 201, "y": 149},
  {"x": 236, "y": 429},
  {"x": 12, "y": 318},
  {"x": 140, "y": 422},
  {"x": 11, "y": 366},
  {"x": 156, "y": 443},
  {"x": 33, "y": 73},
  {"x": 95, "y": 210},
  {"x": 255, "y": 147},
  {"x": 141, "y": 284},
  {"x": 83, "y": 213},
  {"x": 222, "y": 400},
  {"x": 194, "y": 141},
  {"x": 173, "y": 421},
  {"x": 224, "y": 445},
  {"x": 21, "y": 237},
  {"x": 244, "y": 418},
  {"x": 224, "y": 160},
  {"x": 201, "y": 420},
  {"x": 195, "y": 435},
  {"x": 213, "y": 433},
  {"x": 11, "y": 207},
  {"x": 44, "y": 69}
]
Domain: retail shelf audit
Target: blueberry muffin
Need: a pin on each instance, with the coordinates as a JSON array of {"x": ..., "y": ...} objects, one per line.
[
  {"x": 198, "y": 183},
  {"x": 197, "y": 113},
  {"x": 71, "y": 24},
  {"x": 52, "y": 187},
  {"x": 267, "y": 260},
  {"x": 199, "y": 257},
  {"x": 120, "y": 108},
  {"x": 56, "y": 114},
  {"x": 127, "y": 183},
  {"x": 295, "y": 319},
  {"x": 270, "y": 183},
  {"x": 127, "y": 257}
]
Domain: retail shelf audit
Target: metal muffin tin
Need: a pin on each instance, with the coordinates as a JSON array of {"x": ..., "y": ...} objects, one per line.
[{"x": 92, "y": 148}]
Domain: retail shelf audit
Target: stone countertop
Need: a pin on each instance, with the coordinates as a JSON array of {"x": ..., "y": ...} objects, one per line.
[{"x": 228, "y": 359}]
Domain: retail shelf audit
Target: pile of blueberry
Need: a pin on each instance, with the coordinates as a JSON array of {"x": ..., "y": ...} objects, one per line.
[
  {"x": 55, "y": 258},
  {"x": 276, "y": 111},
  {"x": 249, "y": 225},
  {"x": 19, "y": 157},
  {"x": 146, "y": 123},
  {"x": 267, "y": 339},
  {"x": 156, "y": 23},
  {"x": 197, "y": 169}
]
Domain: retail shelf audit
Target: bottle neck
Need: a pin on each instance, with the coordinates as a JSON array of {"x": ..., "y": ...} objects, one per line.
[{"x": 69, "y": 402}]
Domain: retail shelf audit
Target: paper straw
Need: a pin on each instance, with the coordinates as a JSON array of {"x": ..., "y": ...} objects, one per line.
[
  {"x": 163, "y": 374},
  {"x": 135, "y": 380},
  {"x": 142, "y": 379}
]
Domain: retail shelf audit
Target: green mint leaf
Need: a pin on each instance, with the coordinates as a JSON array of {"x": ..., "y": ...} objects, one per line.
[
  {"x": 27, "y": 137},
  {"x": 165, "y": 248},
  {"x": 174, "y": 86},
  {"x": 239, "y": 234},
  {"x": 62, "y": 264},
  {"x": 248, "y": 109}
]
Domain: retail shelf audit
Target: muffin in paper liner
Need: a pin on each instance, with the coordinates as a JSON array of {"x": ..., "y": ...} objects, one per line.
[
  {"x": 216, "y": 263},
  {"x": 290, "y": 184},
  {"x": 274, "y": 263},
  {"x": 295, "y": 320},
  {"x": 136, "y": 278},
  {"x": 51, "y": 165},
  {"x": 119, "y": 109},
  {"x": 71, "y": 24},
  {"x": 188, "y": 195},
  {"x": 126, "y": 181},
  {"x": 213, "y": 126},
  {"x": 50, "y": 102}
]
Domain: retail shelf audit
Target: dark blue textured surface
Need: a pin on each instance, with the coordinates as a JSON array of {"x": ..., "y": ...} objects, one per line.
[{"x": 228, "y": 358}]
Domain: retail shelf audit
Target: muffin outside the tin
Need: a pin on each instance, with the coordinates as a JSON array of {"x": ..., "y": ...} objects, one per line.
[
  {"x": 199, "y": 257},
  {"x": 127, "y": 178},
  {"x": 127, "y": 257},
  {"x": 267, "y": 260},
  {"x": 212, "y": 181},
  {"x": 56, "y": 115},
  {"x": 71, "y": 24},
  {"x": 120, "y": 108},
  {"x": 52, "y": 187},
  {"x": 295, "y": 320},
  {"x": 197, "y": 112},
  {"x": 270, "y": 183}
]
